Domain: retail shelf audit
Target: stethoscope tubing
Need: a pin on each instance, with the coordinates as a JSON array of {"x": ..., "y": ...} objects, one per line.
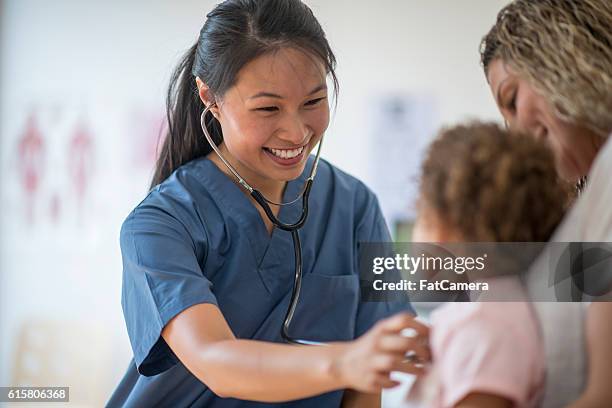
[{"x": 290, "y": 227}]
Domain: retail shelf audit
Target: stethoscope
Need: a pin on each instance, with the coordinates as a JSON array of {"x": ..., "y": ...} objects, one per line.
[{"x": 293, "y": 228}]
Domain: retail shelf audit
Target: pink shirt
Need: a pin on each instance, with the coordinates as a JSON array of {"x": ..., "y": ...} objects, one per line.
[{"x": 489, "y": 347}]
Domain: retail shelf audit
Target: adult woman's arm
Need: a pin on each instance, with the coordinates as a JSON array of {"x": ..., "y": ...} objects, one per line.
[
  {"x": 598, "y": 392},
  {"x": 269, "y": 372}
]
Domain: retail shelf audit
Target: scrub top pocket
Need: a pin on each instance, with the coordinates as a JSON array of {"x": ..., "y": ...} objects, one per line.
[{"x": 327, "y": 308}]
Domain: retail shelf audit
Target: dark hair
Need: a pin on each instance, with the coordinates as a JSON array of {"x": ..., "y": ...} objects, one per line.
[
  {"x": 235, "y": 32},
  {"x": 491, "y": 185}
]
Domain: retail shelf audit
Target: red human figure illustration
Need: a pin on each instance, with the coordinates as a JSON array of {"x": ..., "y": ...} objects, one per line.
[
  {"x": 80, "y": 161},
  {"x": 30, "y": 152}
]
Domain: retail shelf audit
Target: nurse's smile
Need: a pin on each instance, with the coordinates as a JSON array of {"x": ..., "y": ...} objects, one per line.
[{"x": 287, "y": 157}]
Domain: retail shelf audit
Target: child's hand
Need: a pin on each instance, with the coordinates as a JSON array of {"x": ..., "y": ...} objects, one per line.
[{"x": 366, "y": 363}]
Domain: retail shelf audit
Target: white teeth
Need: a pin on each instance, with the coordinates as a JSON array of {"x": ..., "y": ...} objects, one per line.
[{"x": 287, "y": 154}]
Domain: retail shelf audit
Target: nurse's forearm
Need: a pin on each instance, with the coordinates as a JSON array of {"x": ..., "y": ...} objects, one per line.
[
  {"x": 269, "y": 372},
  {"x": 356, "y": 399}
]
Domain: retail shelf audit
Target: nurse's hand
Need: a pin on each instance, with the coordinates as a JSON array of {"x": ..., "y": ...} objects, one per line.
[{"x": 366, "y": 363}]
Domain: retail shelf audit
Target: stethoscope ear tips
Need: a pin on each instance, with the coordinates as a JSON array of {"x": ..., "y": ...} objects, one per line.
[{"x": 210, "y": 107}]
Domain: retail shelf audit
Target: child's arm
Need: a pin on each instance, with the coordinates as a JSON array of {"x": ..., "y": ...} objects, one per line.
[
  {"x": 477, "y": 400},
  {"x": 598, "y": 392},
  {"x": 486, "y": 355}
]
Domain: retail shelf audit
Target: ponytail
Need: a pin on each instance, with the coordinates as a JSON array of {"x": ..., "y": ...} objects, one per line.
[{"x": 184, "y": 140}]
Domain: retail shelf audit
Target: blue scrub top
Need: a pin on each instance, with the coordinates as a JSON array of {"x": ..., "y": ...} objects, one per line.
[{"x": 196, "y": 238}]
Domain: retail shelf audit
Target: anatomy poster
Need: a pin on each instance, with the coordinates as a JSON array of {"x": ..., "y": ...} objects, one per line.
[{"x": 53, "y": 164}]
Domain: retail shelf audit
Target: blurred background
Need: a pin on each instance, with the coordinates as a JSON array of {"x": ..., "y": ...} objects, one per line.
[{"x": 82, "y": 88}]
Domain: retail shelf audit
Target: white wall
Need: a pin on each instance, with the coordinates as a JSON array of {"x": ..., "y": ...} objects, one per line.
[{"x": 105, "y": 66}]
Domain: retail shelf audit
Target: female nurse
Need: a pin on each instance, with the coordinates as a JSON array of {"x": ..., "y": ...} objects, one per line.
[
  {"x": 549, "y": 66},
  {"x": 207, "y": 278}
]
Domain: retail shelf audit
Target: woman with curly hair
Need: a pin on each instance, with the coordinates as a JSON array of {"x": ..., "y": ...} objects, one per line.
[{"x": 549, "y": 66}]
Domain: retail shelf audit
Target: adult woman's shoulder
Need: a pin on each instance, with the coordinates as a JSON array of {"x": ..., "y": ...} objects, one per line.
[{"x": 590, "y": 219}]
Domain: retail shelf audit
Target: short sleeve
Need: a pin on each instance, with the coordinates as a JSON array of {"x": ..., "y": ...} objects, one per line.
[
  {"x": 371, "y": 227},
  {"x": 483, "y": 355},
  {"x": 161, "y": 278}
]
